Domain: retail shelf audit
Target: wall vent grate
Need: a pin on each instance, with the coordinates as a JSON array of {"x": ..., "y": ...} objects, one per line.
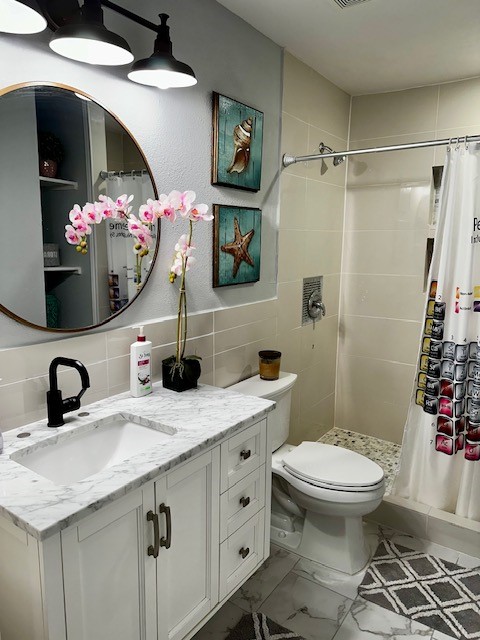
[
  {"x": 344, "y": 4},
  {"x": 315, "y": 283}
]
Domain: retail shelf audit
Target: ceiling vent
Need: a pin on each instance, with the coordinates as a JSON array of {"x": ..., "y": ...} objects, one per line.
[{"x": 348, "y": 3}]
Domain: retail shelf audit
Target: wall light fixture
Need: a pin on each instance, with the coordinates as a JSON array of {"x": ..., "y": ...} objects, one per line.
[{"x": 79, "y": 33}]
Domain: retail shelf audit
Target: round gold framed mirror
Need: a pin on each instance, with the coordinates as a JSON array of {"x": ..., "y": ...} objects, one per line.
[{"x": 59, "y": 149}]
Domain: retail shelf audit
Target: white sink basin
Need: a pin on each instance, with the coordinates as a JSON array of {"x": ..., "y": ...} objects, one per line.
[{"x": 109, "y": 441}]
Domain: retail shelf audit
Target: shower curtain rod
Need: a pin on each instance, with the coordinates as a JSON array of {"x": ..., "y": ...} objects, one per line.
[
  {"x": 288, "y": 160},
  {"x": 119, "y": 174}
]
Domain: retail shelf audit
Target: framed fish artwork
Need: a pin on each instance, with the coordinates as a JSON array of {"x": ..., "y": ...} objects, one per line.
[
  {"x": 237, "y": 244},
  {"x": 237, "y": 144}
]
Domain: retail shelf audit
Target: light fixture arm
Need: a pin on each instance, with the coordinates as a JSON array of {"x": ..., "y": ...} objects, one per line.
[
  {"x": 60, "y": 12},
  {"x": 131, "y": 16}
]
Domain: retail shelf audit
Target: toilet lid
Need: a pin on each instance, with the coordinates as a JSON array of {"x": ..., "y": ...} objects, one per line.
[{"x": 329, "y": 465}]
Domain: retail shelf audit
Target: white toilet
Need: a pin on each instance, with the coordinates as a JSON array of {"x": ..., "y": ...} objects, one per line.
[{"x": 319, "y": 492}]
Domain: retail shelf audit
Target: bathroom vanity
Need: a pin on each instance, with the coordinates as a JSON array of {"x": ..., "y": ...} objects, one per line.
[{"x": 96, "y": 545}]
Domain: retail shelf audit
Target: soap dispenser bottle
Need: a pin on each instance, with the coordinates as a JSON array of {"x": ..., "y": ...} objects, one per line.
[{"x": 140, "y": 366}]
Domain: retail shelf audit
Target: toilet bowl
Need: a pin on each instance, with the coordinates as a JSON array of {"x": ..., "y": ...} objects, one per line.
[{"x": 320, "y": 492}]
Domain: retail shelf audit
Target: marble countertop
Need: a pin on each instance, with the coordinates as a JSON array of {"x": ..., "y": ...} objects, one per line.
[{"x": 201, "y": 417}]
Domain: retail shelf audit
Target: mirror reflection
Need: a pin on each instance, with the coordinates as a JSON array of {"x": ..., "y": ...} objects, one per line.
[{"x": 59, "y": 148}]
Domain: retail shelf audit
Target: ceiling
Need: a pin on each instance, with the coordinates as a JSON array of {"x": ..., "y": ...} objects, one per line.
[{"x": 377, "y": 45}]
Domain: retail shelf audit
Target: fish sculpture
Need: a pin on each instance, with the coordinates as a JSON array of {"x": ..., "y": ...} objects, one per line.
[{"x": 242, "y": 135}]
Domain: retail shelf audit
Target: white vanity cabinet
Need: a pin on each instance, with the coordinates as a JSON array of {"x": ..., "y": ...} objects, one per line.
[
  {"x": 156, "y": 563},
  {"x": 148, "y": 560},
  {"x": 108, "y": 579}
]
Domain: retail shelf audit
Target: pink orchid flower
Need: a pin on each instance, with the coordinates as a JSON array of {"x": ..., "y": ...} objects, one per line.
[
  {"x": 82, "y": 227},
  {"x": 106, "y": 207},
  {"x": 199, "y": 212},
  {"x": 181, "y": 202},
  {"x": 90, "y": 214},
  {"x": 183, "y": 247},
  {"x": 177, "y": 266},
  {"x": 147, "y": 212},
  {"x": 75, "y": 214},
  {"x": 164, "y": 208},
  {"x": 140, "y": 231},
  {"x": 72, "y": 235},
  {"x": 145, "y": 237},
  {"x": 134, "y": 225},
  {"x": 122, "y": 203}
]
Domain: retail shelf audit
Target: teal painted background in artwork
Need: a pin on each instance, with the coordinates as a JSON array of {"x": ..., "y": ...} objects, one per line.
[
  {"x": 230, "y": 114},
  {"x": 247, "y": 219}
]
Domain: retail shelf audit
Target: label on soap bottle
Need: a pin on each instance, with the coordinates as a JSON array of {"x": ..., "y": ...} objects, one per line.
[{"x": 143, "y": 372}]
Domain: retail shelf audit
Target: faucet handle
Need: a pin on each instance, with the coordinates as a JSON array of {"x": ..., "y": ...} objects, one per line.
[{"x": 72, "y": 403}]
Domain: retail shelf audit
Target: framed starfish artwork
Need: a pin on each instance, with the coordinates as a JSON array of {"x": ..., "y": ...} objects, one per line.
[
  {"x": 237, "y": 144},
  {"x": 237, "y": 243}
]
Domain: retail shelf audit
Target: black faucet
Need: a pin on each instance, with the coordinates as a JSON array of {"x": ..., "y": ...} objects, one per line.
[{"x": 56, "y": 407}]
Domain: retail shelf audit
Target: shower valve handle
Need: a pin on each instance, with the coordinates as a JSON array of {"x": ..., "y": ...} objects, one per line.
[{"x": 316, "y": 308}]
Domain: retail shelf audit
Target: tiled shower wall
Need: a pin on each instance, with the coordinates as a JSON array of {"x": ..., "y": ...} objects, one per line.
[
  {"x": 310, "y": 242},
  {"x": 387, "y": 210}
]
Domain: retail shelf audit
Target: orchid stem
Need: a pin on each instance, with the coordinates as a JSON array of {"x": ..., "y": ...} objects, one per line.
[{"x": 182, "y": 306}]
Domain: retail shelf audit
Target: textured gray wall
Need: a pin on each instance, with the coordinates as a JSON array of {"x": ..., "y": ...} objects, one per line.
[{"x": 174, "y": 130}]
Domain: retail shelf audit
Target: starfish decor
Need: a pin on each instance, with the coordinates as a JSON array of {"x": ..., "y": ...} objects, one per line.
[{"x": 239, "y": 248}]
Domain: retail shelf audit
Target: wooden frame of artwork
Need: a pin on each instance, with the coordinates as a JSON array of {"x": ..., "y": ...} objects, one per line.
[
  {"x": 237, "y": 144},
  {"x": 237, "y": 244}
]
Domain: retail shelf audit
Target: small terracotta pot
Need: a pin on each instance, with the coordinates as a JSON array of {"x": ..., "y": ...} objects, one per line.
[{"x": 48, "y": 168}]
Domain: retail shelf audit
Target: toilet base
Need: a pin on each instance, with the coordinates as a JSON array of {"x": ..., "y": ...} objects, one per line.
[{"x": 334, "y": 541}]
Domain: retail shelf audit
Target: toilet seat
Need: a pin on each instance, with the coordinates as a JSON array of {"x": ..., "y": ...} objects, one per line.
[{"x": 329, "y": 467}]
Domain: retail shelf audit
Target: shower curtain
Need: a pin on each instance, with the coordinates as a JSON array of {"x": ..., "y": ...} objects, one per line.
[
  {"x": 120, "y": 255},
  {"x": 440, "y": 461}
]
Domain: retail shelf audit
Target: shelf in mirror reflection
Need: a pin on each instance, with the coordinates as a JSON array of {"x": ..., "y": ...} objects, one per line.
[
  {"x": 67, "y": 270},
  {"x": 57, "y": 183}
]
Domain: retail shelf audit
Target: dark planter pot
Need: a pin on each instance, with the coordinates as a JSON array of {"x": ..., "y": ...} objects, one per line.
[
  {"x": 182, "y": 379},
  {"x": 48, "y": 168}
]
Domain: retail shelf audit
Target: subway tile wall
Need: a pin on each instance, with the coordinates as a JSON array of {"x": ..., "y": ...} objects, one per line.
[
  {"x": 227, "y": 340},
  {"x": 386, "y": 220},
  {"x": 310, "y": 242}
]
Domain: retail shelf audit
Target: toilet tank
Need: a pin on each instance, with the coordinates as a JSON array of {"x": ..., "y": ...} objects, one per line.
[{"x": 280, "y": 391}]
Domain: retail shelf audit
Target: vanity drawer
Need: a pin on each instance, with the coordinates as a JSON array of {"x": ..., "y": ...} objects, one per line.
[
  {"x": 241, "y": 553},
  {"x": 241, "y": 502},
  {"x": 242, "y": 454}
]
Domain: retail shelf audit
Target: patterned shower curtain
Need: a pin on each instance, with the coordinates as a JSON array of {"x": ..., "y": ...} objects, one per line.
[{"x": 440, "y": 462}]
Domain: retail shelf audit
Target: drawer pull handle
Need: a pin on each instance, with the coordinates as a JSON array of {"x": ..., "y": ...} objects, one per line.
[
  {"x": 245, "y": 501},
  {"x": 244, "y": 552},
  {"x": 245, "y": 454},
  {"x": 166, "y": 541},
  {"x": 155, "y": 548}
]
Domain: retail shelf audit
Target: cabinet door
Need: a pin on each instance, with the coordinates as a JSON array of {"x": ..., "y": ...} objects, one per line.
[
  {"x": 187, "y": 570},
  {"x": 109, "y": 579}
]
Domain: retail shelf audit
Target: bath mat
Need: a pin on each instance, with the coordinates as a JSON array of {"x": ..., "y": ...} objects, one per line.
[
  {"x": 256, "y": 626},
  {"x": 439, "y": 594}
]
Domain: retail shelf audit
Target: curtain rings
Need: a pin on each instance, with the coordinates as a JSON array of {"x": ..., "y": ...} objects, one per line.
[{"x": 449, "y": 147}]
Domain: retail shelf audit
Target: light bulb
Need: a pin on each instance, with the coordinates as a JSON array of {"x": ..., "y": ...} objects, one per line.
[{"x": 22, "y": 17}]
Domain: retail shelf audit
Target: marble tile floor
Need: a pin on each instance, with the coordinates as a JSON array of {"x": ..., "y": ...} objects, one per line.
[
  {"x": 383, "y": 452},
  {"x": 321, "y": 604}
]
